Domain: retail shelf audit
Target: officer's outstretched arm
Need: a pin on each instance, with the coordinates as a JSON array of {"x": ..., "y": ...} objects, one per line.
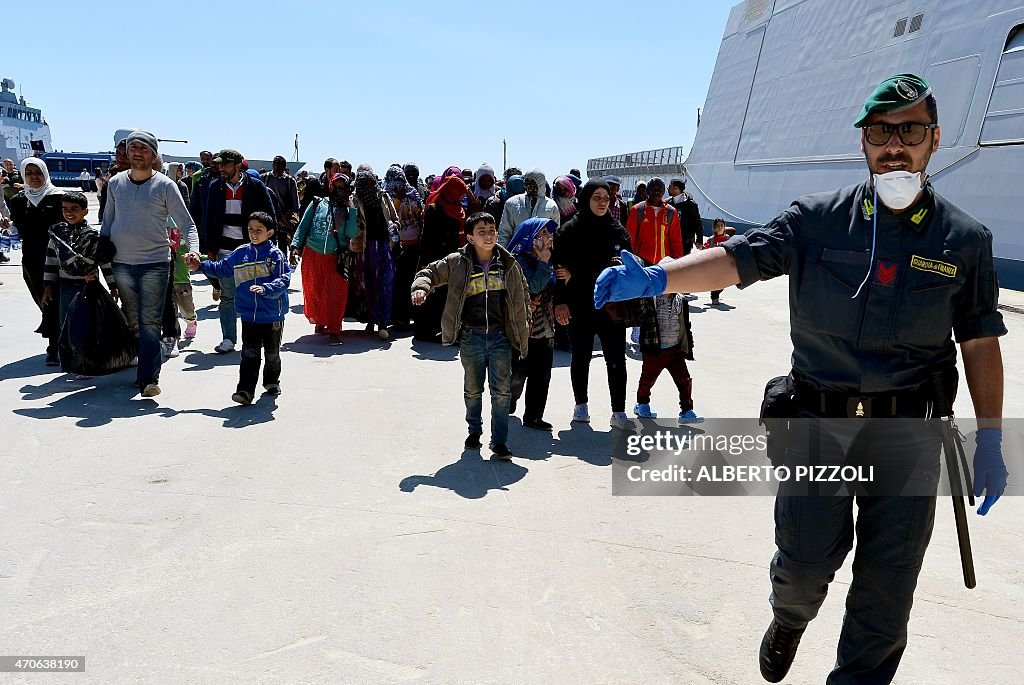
[
  {"x": 703, "y": 271},
  {"x": 699, "y": 272}
]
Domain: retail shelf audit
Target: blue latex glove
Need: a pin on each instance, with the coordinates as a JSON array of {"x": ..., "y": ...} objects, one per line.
[
  {"x": 629, "y": 281},
  {"x": 989, "y": 469}
]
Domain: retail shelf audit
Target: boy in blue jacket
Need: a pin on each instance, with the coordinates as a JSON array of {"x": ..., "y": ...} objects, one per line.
[{"x": 261, "y": 274}]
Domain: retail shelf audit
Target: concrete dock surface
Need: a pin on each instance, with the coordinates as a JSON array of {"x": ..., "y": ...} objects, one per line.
[{"x": 340, "y": 534}]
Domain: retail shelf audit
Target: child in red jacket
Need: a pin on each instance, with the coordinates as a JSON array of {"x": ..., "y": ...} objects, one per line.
[{"x": 719, "y": 237}]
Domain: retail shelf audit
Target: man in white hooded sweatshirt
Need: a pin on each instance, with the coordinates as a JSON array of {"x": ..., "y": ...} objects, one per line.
[{"x": 519, "y": 208}]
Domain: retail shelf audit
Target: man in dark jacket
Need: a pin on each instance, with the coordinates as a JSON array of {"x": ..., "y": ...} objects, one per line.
[
  {"x": 285, "y": 193},
  {"x": 223, "y": 220},
  {"x": 689, "y": 215}
]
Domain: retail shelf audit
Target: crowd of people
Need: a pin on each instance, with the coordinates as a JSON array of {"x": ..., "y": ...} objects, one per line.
[{"x": 504, "y": 266}]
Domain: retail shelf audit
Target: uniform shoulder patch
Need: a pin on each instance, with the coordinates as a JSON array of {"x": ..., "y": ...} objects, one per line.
[{"x": 933, "y": 266}]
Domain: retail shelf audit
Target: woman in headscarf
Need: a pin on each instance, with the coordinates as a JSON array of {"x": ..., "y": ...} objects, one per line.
[
  {"x": 444, "y": 221},
  {"x": 33, "y": 210},
  {"x": 583, "y": 247},
  {"x": 409, "y": 206},
  {"x": 564, "y": 195},
  {"x": 176, "y": 172},
  {"x": 531, "y": 246},
  {"x": 326, "y": 228},
  {"x": 378, "y": 220},
  {"x": 438, "y": 180},
  {"x": 484, "y": 183}
]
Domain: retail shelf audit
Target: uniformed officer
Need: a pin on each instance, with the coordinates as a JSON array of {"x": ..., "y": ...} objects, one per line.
[{"x": 880, "y": 275}]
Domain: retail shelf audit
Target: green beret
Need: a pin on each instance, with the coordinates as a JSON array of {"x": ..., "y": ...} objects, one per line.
[{"x": 894, "y": 94}]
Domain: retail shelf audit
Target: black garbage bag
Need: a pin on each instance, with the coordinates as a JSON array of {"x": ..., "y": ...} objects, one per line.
[{"x": 95, "y": 339}]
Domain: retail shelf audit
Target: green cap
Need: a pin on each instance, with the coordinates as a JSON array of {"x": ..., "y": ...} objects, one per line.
[
  {"x": 894, "y": 94},
  {"x": 229, "y": 156}
]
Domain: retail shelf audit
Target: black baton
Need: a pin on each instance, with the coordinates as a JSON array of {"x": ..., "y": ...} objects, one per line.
[{"x": 953, "y": 452}]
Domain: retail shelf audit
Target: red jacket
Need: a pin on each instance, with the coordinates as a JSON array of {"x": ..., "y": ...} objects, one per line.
[
  {"x": 715, "y": 240},
  {"x": 653, "y": 238}
]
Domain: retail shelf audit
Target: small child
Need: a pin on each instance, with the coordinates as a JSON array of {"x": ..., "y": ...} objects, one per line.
[
  {"x": 487, "y": 311},
  {"x": 261, "y": 276},
  {"x": 719, "y": 237},
  {"x": 666, "y": 342},
  {"x": 183, "y": 286},
  {"x": 60, "y": 251}
]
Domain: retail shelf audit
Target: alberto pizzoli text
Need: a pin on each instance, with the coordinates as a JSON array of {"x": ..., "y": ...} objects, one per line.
[{"x": 725, "y": 473}]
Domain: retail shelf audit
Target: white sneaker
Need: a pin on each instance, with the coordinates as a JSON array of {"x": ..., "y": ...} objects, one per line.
[
  {"x": 581, "y": 414},
  {"x": 169, "y": 348},
  {"x": 622, "y": 422},
  {"x": 224, "y": 347}
]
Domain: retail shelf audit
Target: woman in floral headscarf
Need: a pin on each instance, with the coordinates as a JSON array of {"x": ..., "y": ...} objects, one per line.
[
  {"x": 409, "y": 206},
  {"x": 379, "y": 223},
  {"x": 564, "y": 195},
  {"x": 327, "y": 226}
]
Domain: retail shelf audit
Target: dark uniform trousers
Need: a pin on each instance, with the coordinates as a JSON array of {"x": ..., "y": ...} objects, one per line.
[{"x": 814, "y": 532}]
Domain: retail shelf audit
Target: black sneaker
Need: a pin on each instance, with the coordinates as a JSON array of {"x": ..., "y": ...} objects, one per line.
[
  {"x": 511, "y": 407},
  {"x": 538, "y": 424},
  {"x": 778, "y": 648},
  {"x": 501, "y": 451},
  {"x": 473, "y": 441},
  {"x": 242, "y": 397},
  {"x": 272, "y": 388},
  {"x": 52, "y": 359}
]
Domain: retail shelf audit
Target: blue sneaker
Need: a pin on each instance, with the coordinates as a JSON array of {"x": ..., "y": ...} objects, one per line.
[
  {"x": 634, "y": 337},
  {"x": 644, "y": 411},
  {"x": 688, "y": 417}
]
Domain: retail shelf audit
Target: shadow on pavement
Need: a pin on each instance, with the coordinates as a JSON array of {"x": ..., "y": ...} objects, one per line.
[
  {"x": 471, "y": 476},
  {"x": 26, "y": 368},
  {"x": 238, "y": 416},
  {"x": 204, "y": 360},
  {"x": 586, "y": 444},
  {"x": 434, "y": 352},
  {"x": 98, "y": 406}
]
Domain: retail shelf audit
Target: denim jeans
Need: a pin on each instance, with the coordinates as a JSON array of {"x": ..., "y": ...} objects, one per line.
[
  {"x": 226, "y": 308},
  {"x": 143, "y": 289},
  {"x": 488, "y": 353}
]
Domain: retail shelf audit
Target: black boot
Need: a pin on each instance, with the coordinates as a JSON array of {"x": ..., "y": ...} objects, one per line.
[{"x": 778, "y": 648}]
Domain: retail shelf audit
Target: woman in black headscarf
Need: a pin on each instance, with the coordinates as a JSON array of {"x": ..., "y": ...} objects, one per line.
[{"x": 583, "y": 247}]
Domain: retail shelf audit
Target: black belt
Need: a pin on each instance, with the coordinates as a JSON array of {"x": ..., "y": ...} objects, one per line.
[{"x": 843, "y": 405}]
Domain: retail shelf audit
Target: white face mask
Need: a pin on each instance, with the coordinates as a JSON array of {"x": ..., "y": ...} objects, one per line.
[{"x": 897, "y": 189}]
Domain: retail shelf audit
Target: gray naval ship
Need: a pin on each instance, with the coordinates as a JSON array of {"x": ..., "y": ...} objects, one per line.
[
  {"x": 790, "y": 79},
  {"x": 23, "y": 130}
]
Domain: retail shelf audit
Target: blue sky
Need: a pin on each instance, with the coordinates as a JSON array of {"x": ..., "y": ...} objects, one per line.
[{"x": 436, "y": 83}]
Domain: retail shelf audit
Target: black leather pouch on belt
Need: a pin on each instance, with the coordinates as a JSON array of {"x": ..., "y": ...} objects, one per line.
[{"x": 778, "y": 406}]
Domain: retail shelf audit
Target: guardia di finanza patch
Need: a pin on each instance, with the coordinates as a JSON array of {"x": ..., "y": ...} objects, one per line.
[{"x": 933, "y": 266}]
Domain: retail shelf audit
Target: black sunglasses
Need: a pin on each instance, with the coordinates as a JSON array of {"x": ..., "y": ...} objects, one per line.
[{"x": 909, "y": 132}]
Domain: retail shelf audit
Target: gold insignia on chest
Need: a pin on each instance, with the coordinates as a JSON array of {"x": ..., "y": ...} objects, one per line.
[{"x": 933, "y": 266}]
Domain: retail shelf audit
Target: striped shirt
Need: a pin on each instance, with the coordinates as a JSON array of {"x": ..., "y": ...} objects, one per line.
[{"x": 233, "y": 224}]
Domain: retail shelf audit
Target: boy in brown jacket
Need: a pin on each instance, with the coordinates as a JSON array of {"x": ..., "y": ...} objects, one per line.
[{"x": 486, "y": 311}]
